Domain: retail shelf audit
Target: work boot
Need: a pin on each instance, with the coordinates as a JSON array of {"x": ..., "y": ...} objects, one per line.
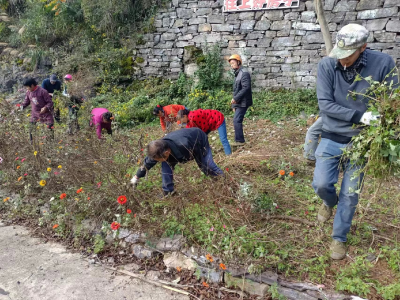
[
  {"x": 338, "y": 250},
  {"x": 311, "y": 162},
  {"x": 238, "y": 144},
  {"x": 324, "y": 213},
  {"x": 166, "y": 194}
]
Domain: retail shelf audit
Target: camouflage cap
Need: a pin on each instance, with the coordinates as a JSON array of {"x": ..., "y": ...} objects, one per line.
[{"x": 350, "y": 38}]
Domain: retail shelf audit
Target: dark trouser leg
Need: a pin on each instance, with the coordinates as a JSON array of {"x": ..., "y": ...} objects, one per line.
[
  {"x": 167, "y": 177},
  {"x": 208, "y": 166},
  {"x": 238, "y": 123},
  {"x": 32, "y": 128}
]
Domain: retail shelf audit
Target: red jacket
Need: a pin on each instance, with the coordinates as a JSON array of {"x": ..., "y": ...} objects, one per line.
[
  {"x": 170, "y": 113},
  {"x": 205, "y": 119}
]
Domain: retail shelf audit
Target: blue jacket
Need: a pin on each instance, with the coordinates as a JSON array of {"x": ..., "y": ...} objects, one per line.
[
  {"x": 186, "y": 144},
  {"x": 242, "y": 89},
  {"x": 50, "y": 88},
  {"x": 341, "y": 112}
]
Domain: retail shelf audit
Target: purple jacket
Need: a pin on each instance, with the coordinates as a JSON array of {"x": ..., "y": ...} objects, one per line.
[
  {"x": 38, "y": 99},
  {"x": 97, "y": 121}
]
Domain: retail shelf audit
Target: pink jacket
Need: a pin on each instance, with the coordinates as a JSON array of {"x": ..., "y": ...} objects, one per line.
[
  {"x": 38, "y": 99},
  {"x": 97, "y": 121}
]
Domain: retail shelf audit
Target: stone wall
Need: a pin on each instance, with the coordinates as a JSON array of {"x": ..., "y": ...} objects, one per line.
[{"x": 281, "y": 48}]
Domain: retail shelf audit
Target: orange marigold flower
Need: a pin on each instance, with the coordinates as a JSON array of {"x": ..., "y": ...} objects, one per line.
[
  {"x": 179, "y": 269},
  {"x": 55, "y": 226},
  {"x": 222, "y": 266},
  {"x": 122, "y": 200},
  {"x": 63, "y": 195},
  {"x": 18, "y": 167},
  {"x": 6, "y": 199},
  {"x": 209, "y": 258},
  {"x": 205, "y": 284},
  {"x": 115, "y": 225},
  {"x": 282, "y": 172},
  {"x": 19, "y": 179},
  {"x": 291, "y": 174},
  {"x": 79, "y": 191}
]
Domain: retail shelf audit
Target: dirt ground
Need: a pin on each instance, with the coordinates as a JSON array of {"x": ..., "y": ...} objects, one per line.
[{"x": 30, "y": 270}]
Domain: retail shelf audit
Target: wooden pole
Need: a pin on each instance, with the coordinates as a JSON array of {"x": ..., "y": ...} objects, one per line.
[{"x": 324, "y": 26}]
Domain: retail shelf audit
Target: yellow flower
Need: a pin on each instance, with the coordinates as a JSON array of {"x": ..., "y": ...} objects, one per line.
[
  {"x": 60, "y": 167},
  {"x": 60, "y": 147},
  {"x": 42, "y": 182},
  {"x": 48, "y": 169},
  {"x": 95, "y": 162},
  {"x": 28, "y": 115},
  {"x": 6, "y": 199},
  {"x": 35, "y": 153}
]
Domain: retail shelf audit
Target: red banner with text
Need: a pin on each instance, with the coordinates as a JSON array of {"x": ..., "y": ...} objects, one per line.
[{"x": 244, "y": 5}]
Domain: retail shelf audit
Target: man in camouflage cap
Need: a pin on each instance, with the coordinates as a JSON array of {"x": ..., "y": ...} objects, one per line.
[{"x": 335, "y": 79}]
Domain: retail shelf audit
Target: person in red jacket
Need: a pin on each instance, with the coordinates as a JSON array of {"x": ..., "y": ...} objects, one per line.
[
  {"x": 207, "y": 120},
  {"x": 167, "y": 115}
]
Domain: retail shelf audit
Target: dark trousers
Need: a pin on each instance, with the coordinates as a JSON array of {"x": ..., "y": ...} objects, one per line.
[{"x": 238, "y": 123}]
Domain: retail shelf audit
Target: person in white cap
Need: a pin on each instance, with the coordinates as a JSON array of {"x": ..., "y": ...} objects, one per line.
[{"x": 335, "y": 79}]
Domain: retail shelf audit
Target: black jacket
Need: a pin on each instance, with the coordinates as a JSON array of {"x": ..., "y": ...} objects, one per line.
[
  {"x": 185, "y": 144},
  {"x": 242, "y": 89}
]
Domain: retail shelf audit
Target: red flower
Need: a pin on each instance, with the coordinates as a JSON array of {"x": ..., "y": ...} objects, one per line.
[
  {"x": 128, "y": 211},
  {"x": 227, "y": 169},
  {"x": 134, "y": 215},
  {"x": 306, "y": 212},
  {"x": 55, "y": 226},
  {"x": 115, "y": 225},
  {"x": 18, "y": 105},
  {"x": 99, "y": 184},
  {"x": 79, "y": 191},
  {"x": 63, "y": 195},
  {"x": 122, "y": 200}
]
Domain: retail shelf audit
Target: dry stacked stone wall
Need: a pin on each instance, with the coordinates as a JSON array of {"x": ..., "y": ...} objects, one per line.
[{"x": 281, "y": 48}]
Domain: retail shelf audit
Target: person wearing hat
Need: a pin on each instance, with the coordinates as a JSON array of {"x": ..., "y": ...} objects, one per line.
[
  {"x": 52, "y": 84},
  {"x": 336, "y": 76},
  {"x": 242, "y": 97}
]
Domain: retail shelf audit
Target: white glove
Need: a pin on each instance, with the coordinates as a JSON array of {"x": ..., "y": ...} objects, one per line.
[
  {"x": 134, "y": 181},
  {"x": 368, "y": 117}
]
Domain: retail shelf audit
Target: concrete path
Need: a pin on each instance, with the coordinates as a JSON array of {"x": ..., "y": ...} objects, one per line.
[{"x": 32, "y": 270}]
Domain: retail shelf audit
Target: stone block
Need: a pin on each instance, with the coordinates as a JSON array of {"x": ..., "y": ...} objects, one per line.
[
  {"x": 369, "y": 4},
  {"x": 166, "y": 45},
  {"x": 335, "y": 17},
  {"x": 210, "y": 38},
  {"x": 329, "y": 4},
  {"x": 168, "y": 37},
  {"x": 382, "y": 46},
  {"x": 376, "y": 25},
  {"x": 378, "y": 13},
  {"x": 192, "y": 29},
  {"x": 174, "y": 64},
  {"x": 209, "y": 274},
  {"x": 179, "y": 23},
  {"x": 385, "y": 37},
  {"x": 308, "y": 16},
  {"x": 184, "y": 13},
  {"x": 292, "y": 16},
  {"x": 247, "y": 25},
  {"x": 182, "y": 44},
  {"x": 138, "y": 250},
  {"x": 393, "y": 26},
  {"x": 281, "y": 25},
  {"x": 175, "y": 243},
  {"x": 178, "y": 260},
  {"x": 203, "y": 11},
  {"x": 258, "y": 58},
  {"x": 254, "y": 36},
  {"x": 222, "y": 27},
  {"x": 345, "y": 6},
  {"x": 391, "y": 3},
  {"x": 246, "y": 16},
  {"x": 306, "y": 26},
  {"x": 253, "y": 288},
  {"x": 270, "y": 34},
  {"x": 285, "y": 42},
  {"x": 165, "y": 22},
  {"x": 314, "y": 38},
  {"x": 309, "y": 79},
  {"x": 158, "y": 23},
  {"x": 274, "y": 15},
  {"x": 332, "y": 27},
  {"x": 216, "y": 19},
  {"x": 264, "y": 42},
  {"x": 262, "y": 25},
  {"x": 256, "y": 51},
  {"x": 186, "y": 37},
  {"x": 197, "y": 21},
  {"x": 204, "y": 28},
  {"x": 310, "y": 5},
  {"x": 281, "y": 33}
]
